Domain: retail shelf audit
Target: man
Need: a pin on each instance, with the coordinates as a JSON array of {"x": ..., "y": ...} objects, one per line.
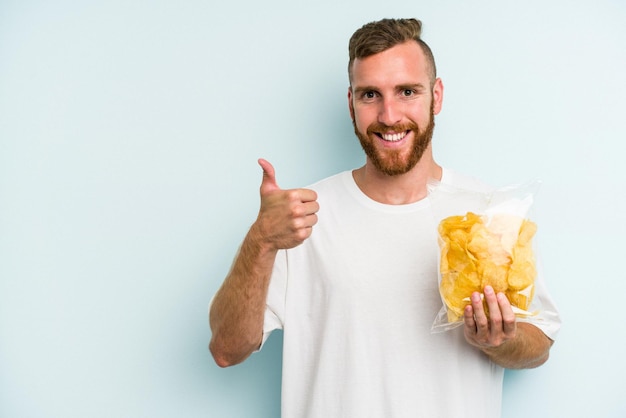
[{"x": 348, "y": 267}]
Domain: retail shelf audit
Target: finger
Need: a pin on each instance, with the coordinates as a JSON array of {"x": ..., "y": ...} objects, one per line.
[
  {"x": 468, "y": 319},
  {"x": 495, "y": 316},
  {"x": 308, "y": 195},
  {"x": 268, "y": 183},
  {"x": 310, "y": 221},
  {"x": 304, "y": 221},
  {"x": 480, "y": 317},
  {"x": 492, "y": 304},
  {"x": 310, "y": 207},
  {"x": 509, "y": 324}
]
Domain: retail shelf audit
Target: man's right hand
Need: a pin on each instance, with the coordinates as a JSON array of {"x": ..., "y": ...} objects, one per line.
[
  {"x": 285, "y": 220},
  {"x": 286, "y": 217}
]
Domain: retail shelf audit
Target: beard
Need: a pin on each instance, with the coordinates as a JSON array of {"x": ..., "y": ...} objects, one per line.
[{"x": 392, "y": 162}]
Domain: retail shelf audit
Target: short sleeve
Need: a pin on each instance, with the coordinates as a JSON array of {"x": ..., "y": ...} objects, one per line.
[
  {"x": 274, "y": 317},
  {"x": 547, "y": 319}
]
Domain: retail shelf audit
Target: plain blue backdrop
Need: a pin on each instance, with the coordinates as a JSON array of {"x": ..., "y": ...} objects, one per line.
[{"x": 129, "y": 134}]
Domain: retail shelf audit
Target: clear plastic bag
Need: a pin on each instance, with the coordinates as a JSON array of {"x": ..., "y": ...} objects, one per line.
[{"x": 484, "y": 239}]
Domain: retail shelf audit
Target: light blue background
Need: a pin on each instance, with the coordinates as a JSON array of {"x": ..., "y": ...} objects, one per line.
[{"x": 129, "y": 134}]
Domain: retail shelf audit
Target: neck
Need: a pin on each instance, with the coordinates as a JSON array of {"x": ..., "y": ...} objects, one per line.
[{"x": 398, "y": 190}]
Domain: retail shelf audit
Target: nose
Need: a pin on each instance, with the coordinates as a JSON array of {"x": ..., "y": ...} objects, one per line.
[{"x": 390, "y": 112}]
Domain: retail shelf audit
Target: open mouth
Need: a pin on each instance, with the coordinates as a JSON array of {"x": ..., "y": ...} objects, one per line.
[{"x": 392, "y": 137}]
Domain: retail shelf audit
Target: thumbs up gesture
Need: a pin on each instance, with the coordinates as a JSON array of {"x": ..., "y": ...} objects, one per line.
[{"x": 286, "y": 217}]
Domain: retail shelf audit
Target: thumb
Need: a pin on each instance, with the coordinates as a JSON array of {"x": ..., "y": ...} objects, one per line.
[{"x": 269, "y": 177}]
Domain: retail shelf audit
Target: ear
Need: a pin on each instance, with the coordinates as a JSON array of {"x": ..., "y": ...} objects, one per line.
[
  {"x": 437, "y": 96},
  {"x": 350, "y": 106}
]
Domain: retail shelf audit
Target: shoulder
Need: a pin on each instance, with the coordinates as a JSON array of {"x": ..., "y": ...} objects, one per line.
[
  {"x": 332, "y": 183},
  {"x": 463, "y": 181}
]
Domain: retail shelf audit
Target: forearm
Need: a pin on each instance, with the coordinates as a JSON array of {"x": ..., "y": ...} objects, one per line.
[
  {"x": 237, "y": 311},
  {"x": 528, "y": 349}
]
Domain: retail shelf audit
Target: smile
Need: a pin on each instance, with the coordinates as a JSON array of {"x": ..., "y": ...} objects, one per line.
[{"x": 393, "y": 137}]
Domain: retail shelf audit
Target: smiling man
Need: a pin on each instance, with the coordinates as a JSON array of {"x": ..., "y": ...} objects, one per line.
[
  {"x": 393, "y": 99},
  {"x": 348, "y": 266},
  {"x": 395, "y": 107}
]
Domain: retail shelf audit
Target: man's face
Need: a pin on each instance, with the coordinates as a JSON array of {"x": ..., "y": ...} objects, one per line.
[{"x": 393, "y": 105}]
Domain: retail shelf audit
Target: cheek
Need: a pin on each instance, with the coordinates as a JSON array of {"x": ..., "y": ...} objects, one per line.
[
  {"x": 421, "y": 115},
  {"x": 360, "y": 124},
  {"x": 363, "y": 118}
]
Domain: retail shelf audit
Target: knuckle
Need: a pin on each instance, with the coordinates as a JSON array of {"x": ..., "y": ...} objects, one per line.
[
  {"x": 510, "y": 326},
  {"x": 293, "y": 227},
  {"x": 290, "y": 194},
  {"x": 296, "y": 211},
  {"x": 302, "y": 234}
]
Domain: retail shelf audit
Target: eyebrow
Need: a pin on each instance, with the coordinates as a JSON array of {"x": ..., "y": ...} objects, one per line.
[
  {"x": 359, "y": 90},
  {"x": 415, "y": 86}
]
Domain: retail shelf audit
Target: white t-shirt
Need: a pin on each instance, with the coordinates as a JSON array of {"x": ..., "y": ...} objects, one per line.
[{"x": 357, "y": 301}]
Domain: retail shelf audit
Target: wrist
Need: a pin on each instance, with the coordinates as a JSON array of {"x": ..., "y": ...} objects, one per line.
[{"x": 259, "y": 241}]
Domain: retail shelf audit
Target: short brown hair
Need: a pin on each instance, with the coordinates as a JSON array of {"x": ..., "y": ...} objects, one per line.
[{"x": 375, "y": 37}]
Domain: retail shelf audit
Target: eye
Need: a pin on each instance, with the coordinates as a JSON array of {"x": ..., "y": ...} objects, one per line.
[
  {"x": 369, "y": 95},
  {"x": 408, "y": 92}
]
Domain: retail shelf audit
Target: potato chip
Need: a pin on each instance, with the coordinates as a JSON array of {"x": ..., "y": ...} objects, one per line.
[
  {"x": 506, "y": 227},
  {"x": 475, "y": 254},
  {"x": 526, "y": 233},
  {"x": 494, "y": 275}
]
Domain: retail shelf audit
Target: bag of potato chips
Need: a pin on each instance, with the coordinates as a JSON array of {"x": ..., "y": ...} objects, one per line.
[{"x": 484, "y": 239}]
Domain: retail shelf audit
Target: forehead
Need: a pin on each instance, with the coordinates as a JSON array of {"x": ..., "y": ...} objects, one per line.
[{"x": 402, "y": 63}]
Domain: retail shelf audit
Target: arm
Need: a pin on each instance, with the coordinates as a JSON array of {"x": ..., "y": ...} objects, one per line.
[
  {"x": 285, "y": 220},
  {"x": 236, "y": 315},
  {"x": 508, "y": 343}
]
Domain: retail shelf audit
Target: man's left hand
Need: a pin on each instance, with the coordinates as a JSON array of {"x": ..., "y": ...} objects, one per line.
[{"x": 487, "y": 332}]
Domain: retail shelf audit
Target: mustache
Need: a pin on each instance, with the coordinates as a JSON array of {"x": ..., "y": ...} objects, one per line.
[{"x": 381, "y": 128}]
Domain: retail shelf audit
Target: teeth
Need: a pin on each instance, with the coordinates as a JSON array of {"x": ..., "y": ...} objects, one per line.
[{"x": 393, "y": 137}]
